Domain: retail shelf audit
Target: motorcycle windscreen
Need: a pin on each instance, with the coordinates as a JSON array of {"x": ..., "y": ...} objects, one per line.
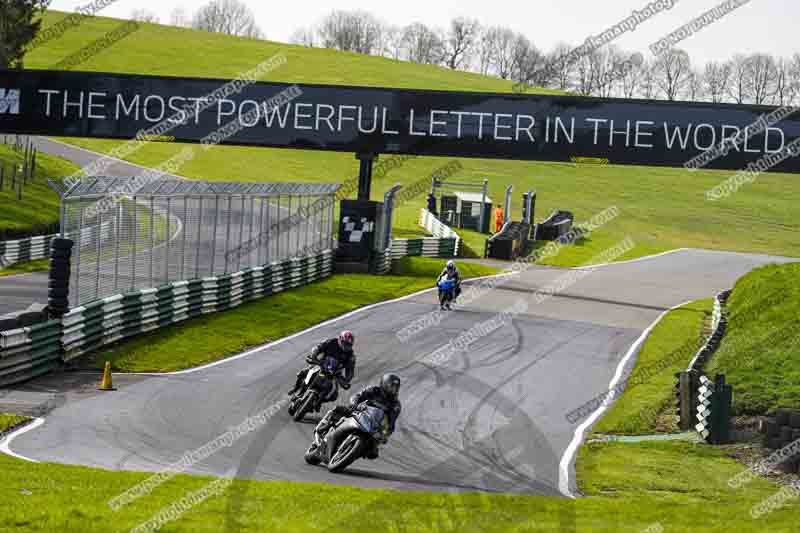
[{"x": 370, "y": 418}]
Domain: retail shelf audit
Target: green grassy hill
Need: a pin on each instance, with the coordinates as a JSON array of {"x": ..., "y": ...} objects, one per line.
[
  {"x": 661, "y": 208},
  {"x": 38, "y": 208},
  {"x": 760, "y": 354}
]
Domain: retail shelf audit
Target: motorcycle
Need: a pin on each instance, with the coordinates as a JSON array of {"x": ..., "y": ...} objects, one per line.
[
  {"x": 351, "y": 438},
  {"x": 320, "y": 385},
  {"x": 447, "y": 292}
]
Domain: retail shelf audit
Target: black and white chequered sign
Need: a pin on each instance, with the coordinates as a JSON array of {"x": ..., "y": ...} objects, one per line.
[
  {"x": 704, "y": 394},
  {"x": 354, "y": 230}
]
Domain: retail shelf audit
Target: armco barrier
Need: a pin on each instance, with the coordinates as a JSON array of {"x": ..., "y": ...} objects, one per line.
[
  {"x": 423, "y": 248},
  {"x": 25, "y": 249},
  {"x": 34, "y": 248},
  {"x": 105, "y": 321},
  {"x": 29, "y": 352},
  {"x": 381, "y": 262},
  {"x": 439, "y": 229}
]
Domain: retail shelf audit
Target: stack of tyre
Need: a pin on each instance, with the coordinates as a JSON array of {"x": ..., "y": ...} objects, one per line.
[
  {"x": 58, "y": 286},
  {"x": 783, "y": 431}
]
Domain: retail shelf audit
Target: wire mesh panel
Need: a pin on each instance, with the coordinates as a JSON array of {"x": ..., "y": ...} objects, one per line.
[{"x": 169, "y": 230}]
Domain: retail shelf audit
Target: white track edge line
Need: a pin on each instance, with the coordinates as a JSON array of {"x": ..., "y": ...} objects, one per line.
[
  {"x": 4, "y": 444},
  {"x": 569, "y": 453}
]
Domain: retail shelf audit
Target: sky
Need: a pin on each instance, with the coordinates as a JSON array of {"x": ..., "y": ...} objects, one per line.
[{"x": 766, "y": 26}]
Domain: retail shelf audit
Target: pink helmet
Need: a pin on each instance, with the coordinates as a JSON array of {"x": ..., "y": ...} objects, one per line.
[{"x": 346, "y": 340}]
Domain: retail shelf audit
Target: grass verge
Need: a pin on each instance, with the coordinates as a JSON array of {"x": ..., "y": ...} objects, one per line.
[
  {"x": 26, "y": 267},
  {"x": 214, "y": 337},
  {"x": 760, "y": 353},
  {"x": 39, "y": 207},
  {"x": 649, "y": 390},
  {"x": 630, "y": 487},
  {"x": 9, "y": 421}
]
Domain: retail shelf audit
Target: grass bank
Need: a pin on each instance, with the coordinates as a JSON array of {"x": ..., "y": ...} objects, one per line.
[
  {"x": 760, "y": 353},
  {"x": 629, "y": 487},
  {"x": 39, "y": 207},
  {"x": 649, "y": 391},
  {"x": 213, "y": 337},
  {"x": 10, "y": 421},
  {"x": 26, "y": 267}
]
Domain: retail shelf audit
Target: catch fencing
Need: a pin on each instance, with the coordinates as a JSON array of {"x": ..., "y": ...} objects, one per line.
[
  {"x": 162, "y": 231},
  {"x": 102, "y": 322}
]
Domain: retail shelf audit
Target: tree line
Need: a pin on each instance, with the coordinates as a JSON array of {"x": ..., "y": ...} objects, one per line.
[{"x": 501, "y": 52}]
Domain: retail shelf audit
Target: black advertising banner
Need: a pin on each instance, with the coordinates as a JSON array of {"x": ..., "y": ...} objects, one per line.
[{"x": 383, "y": 121}]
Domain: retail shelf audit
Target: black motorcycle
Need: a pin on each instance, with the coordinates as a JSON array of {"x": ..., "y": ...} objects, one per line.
[
  {"x": 351, "y": 438},
  {"x": 320, "y": 386}
]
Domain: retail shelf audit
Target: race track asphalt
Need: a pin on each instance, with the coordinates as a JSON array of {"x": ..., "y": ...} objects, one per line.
[{"x": 492, "y": 418}]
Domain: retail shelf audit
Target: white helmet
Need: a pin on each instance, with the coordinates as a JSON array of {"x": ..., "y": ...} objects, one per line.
[{"x": 451, "y": 265}]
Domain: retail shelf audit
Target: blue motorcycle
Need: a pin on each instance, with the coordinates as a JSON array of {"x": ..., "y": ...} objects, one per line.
[{"x": 447, "y": 293}]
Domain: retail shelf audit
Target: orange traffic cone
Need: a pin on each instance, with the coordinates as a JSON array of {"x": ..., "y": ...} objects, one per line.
[{"x": 107, "y": 384}]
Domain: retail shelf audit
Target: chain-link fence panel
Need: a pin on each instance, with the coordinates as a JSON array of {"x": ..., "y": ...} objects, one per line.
[{"x": 172, "y": 230}]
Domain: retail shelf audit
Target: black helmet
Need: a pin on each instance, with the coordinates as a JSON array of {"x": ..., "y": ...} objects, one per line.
[{"x": 390, "y": 383}]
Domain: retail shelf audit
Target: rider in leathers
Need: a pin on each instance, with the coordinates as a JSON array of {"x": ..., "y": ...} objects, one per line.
[
  {"x": 387, "y": 393},
  {"x": 340, "y": 348}
]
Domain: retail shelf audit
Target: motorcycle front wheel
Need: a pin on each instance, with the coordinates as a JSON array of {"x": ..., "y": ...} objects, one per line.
[
  {"x": 311, "y": 456},
  {"x": 350, "y": 450}
]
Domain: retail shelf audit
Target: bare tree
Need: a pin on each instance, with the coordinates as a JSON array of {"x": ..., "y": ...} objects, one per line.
[
  {"x": 180, "y": 18},
  {"x": 737, "y": 88},
  {"x": 304, "y": 37},
  {"x": 587, "y": 72},
  {"x": 351, "y": 31},
  {"x": 392, "y": 41},
  {"x": 695, "y": 87},
  {"x": 648, "y": 87},
  {"x": 460, "y": 41},
  {"x": 609, "y": 64},
  {"x": 760, "y": 74},
  {"x": 673, "y": 69},
  {"x": 144, "y": 15},
  {"x": 632, "y": 79},
  {"x": 232, "y": 17},
  {"x": 561, "y": 71},
  {"x": 486, "y": 50},
  {"x": 527, "y": 62},
  {"x": 422, "y": 44},
  {"x": 794, "y": 77},
  {"x": 784, "y": 92},
  {"x": 502, "y": 58},
  {"x": 716, "y": 79}
]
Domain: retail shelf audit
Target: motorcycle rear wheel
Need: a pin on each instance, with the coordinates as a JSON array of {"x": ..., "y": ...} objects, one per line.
[{"x": 350, "y": 450}]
